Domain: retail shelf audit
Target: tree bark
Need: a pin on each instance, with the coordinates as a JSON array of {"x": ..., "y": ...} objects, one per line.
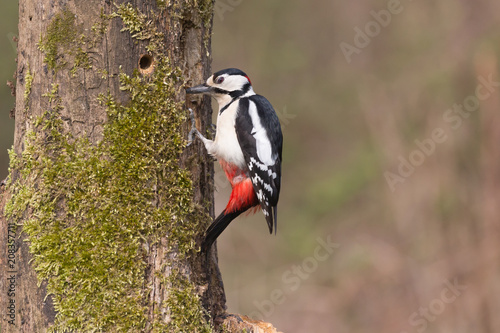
[{"x": 72, "y": 55}]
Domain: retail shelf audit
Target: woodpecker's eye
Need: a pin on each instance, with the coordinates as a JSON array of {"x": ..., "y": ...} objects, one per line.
[{"x": 219, "y": 80}]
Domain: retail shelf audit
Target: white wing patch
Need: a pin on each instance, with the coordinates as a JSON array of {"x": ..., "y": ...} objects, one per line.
[
  {"x": 262, "y": 167},
  {"x": 272, "y": 174},
  {"x": 264, "y": 151},
  {"x": 269, "y": 188},
  {"x": 256, "y": 179}
]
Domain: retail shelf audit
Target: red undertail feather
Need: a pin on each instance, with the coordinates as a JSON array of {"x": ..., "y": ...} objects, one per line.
[{"x": 242, "y": 195}]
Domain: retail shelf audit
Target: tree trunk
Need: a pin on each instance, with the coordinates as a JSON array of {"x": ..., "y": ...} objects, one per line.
[
  {"x": 105, "y": 205},
  {"x": 111, "y": 205}
]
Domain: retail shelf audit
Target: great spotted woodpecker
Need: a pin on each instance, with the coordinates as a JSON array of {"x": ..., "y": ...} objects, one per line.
[{"x": 248, "y": 144}]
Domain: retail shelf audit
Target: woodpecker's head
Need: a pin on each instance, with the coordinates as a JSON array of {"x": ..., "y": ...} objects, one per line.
[{"x": 225, "y": 84}]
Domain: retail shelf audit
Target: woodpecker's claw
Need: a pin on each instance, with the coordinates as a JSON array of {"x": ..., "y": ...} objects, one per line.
[{"x": 193, "y": 130}]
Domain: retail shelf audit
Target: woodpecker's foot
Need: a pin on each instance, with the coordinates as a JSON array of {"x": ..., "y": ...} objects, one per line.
[{"x": 194, "y": 130}]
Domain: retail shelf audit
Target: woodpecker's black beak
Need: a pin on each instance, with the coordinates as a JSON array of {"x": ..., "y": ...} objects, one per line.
[{"x": 201, "y": 89}]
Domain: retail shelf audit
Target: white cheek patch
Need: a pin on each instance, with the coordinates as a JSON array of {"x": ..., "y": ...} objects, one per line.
[
  {"x": 264, "y": 151},
  {"x": 233, "y": 82}
]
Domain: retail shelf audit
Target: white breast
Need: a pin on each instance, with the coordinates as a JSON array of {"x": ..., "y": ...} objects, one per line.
[{"x": 226, "y": 145}]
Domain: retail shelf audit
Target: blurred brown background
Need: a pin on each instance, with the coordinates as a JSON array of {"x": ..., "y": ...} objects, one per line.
[{"x": 390, "y": 205}]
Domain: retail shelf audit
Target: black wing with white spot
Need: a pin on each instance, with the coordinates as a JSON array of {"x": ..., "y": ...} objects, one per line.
[{"x": 260, "y": 138}]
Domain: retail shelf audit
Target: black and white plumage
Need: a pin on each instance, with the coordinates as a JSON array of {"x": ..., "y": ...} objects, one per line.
[{"x": 248, "y": 144}]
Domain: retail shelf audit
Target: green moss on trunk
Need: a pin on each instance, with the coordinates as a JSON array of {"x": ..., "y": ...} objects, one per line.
[
  {"x": 91, "y": 211},
  {"x": 59, "y": 37},
  {"x": 28, "y": 79},
  {"x": 64, "y": 42}
]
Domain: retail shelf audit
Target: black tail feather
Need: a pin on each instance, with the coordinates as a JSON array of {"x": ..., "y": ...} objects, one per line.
[
  {"x": 271, "y": 217},
  {"x": 217, "y": 227}
]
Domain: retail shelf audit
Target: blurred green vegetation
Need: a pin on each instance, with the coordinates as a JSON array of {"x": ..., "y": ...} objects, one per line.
[
  {"x": 346, "y": 124},
  {"x": 353, "y": 121}
]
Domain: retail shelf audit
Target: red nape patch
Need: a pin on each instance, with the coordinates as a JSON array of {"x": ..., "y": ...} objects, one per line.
[
  {"x": 248, "y": 80},
  {"x": 242, "y": 197}
]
